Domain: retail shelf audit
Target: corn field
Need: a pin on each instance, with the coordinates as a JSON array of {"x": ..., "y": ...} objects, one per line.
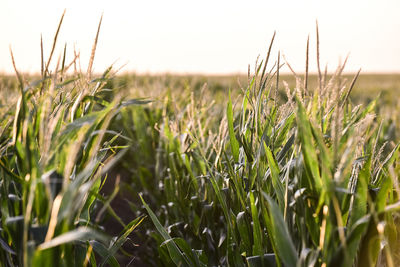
[{"x": 127, "y": 170}]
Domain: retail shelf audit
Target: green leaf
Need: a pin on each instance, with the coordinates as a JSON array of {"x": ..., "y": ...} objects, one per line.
[
  {"x": 233, "y": 141},
  {"x": 243, "y": 230},
  {"x": 358, "y": 209},
  {"x": 307, "y": 148},
  {"x": 176, "y": 255},
  {"x": 276, "y": 182},
  {"x": 286, "y": 250},
  {"x": 79, "y": 234},
  {"x": 257, "y": 231},
  {"x": 381, "y": 198},
  {"x": 104, "y": 252},
  {"x": 122, "y": 238}
]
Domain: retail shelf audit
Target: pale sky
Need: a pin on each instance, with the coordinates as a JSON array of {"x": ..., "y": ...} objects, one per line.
[{"x": 213, "y": 37}]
